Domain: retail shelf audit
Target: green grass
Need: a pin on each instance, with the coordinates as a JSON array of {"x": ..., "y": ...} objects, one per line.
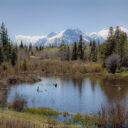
[
  {"x": 123, "y": 74},
  {"x": 44, "y": 111},
  {"x": 78, "y": 118},
  {"x": 33, "y": 119}
]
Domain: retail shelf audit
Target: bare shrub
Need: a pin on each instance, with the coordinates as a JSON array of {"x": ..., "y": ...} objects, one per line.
[
  {"x": 101, "y": 120},
  {"x": 18, "y": 104},
  {"x": 115, "y": 116},
  {"x": 112, "y": 62}
]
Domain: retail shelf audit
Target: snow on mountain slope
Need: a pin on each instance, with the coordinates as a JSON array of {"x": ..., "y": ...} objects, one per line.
[
  {"x": 68, "y": 36},
  {"x": 28, "y": 39}
]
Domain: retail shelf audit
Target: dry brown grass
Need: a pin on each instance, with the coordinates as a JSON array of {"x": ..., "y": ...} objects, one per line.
[
  {"x": 69, "y": 67},
  {"x": 12, "y": 119},
  {"x": 115, "y": 116},
  {"x": 15, "y": 123}
]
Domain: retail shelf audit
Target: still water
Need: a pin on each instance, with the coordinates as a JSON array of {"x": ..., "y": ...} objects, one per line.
[{"x": 71, "y": 95}]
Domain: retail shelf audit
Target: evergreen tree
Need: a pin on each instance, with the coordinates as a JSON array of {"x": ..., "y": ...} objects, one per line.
[
  {"x": 80, "y": 52},
  {"x": 68, "y": 53},
  {"x": 30, "y": 47},
  {"x": 117, "y": 34},
  {"x": 122, "y": 45},
  {"x": 74, "y": 52},
  {"x": 93, "y": 54},
  {"x": 111, "y": 42},
  {"x": 9, "y": 52},
  {"x": 40, "y": 48},
  {"x": 110, "y": 34},
  {"x": 5, "y": 41},
  {"x": 21, "y": 44},
  {"x": 90, "y": 43},
  {"x": 37, "y": 48},
  {"x": 14, "y": 57},
  {"x": 1, "y": 56}
]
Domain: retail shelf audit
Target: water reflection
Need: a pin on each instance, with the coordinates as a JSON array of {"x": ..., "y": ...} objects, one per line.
[{"x": 71, "y": 94}]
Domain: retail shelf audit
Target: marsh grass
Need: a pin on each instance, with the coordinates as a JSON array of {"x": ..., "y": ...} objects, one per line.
[
  {"x": 114, "y": 116},
  {"x": 78, "y": 118},
  {"x": 42, "y": 111}
]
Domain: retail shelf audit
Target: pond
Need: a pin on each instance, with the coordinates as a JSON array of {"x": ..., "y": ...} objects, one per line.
[{"x": 84, "y": 95}]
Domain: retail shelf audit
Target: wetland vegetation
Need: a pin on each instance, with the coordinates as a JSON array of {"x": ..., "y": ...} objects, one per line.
[{"x": 88, "y": 79}]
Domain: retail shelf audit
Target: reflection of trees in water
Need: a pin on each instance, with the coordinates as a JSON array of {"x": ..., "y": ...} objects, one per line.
[
  {"x": 77, "y": 82},
  {"x": 114, "y": 90},
  {"x": 93, "y": 82}
]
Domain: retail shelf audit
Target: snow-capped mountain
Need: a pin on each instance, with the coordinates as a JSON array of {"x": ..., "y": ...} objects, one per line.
[{"x": 68, "y": 36}]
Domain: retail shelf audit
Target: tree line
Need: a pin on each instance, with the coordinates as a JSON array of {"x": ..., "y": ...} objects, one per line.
[
  {"x": 8, "y": 52},
  {"x": 113, "y": 53}
]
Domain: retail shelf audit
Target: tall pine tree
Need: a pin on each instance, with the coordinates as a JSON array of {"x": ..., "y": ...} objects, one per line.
[
  {"x": 74, "y": 52},
  {"x": 14, "y": 57},
  {"x": 1, "y": 56},
  {"x": 93, "y": 54},
  {"x": 5, "y": 41},
  {"x": 80, "y": 52}
]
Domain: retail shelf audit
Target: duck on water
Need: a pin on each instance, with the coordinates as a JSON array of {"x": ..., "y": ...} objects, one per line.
[{"x": 38, "y": 90}]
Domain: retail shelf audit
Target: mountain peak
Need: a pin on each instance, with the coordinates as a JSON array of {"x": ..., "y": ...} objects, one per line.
[
  {"x": 51, "y": 34},
  {"x": 69, "y": 36}
]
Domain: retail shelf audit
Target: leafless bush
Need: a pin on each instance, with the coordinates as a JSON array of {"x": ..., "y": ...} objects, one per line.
[
  {"x": 18, "y": 104},
  {"x": 115, "y": 116},
  {"x": 101, "y": 120},
  {"x": 112, "y": 62}
]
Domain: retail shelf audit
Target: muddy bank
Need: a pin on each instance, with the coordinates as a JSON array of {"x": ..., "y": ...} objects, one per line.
[
  {"x": 19, "y": 79},
  {"x": 33, "y": 77},
  {"x": 112, "y": 77}
]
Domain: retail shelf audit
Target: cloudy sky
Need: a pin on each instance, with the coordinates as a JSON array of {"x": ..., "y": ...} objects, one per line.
[{"x": 39, "y": 17}]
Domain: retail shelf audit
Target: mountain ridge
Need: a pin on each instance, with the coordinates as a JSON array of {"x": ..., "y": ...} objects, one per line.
[{"x": 67, "y": 36}]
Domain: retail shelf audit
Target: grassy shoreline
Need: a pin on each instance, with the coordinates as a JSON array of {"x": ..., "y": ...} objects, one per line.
[
  {"x": 113, "y": 116},
  {"x": 34, "y": 120}
]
